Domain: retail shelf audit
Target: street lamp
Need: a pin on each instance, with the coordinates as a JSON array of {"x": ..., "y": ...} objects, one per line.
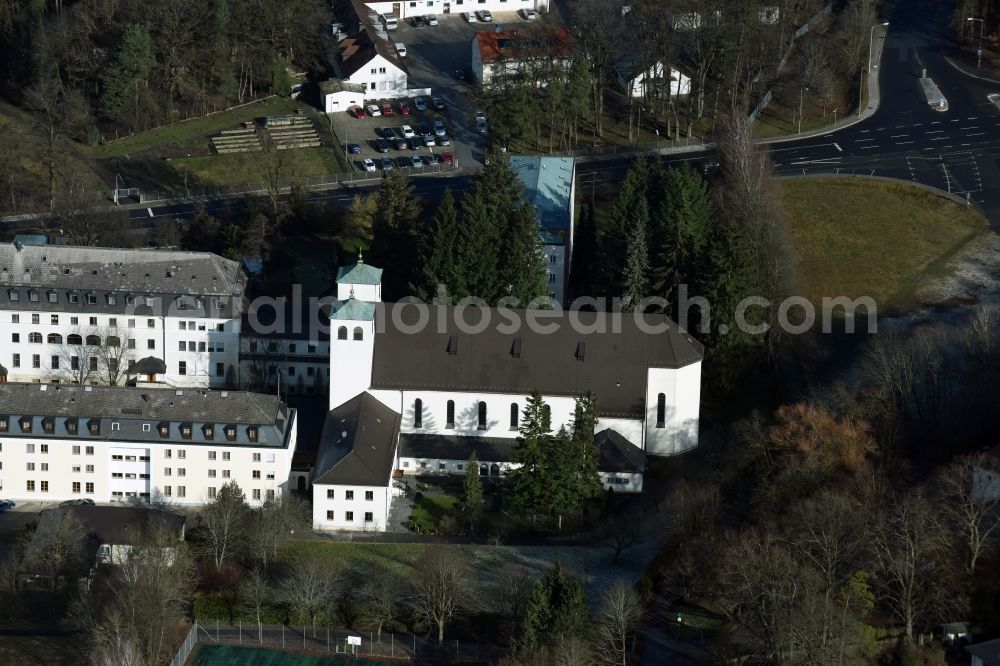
[
  {"x": 801, "y": 91},
  {"x": 871, "y": 44},
  {"x": 979, "y": 51}
]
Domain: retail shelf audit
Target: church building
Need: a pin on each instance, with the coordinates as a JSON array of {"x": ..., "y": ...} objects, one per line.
[{"x": 416, "y": 388}]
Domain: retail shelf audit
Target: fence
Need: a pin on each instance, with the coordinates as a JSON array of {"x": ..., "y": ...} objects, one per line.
[
  {"x": 328, "y": 640},
  {"x": 186, "y": 647}
]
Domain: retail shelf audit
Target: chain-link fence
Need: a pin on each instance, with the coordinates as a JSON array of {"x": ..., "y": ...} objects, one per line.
[{"x": 328, "y": 640}]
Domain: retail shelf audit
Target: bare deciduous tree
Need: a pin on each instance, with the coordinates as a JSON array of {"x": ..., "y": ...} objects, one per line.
[
  {"x": 56, "y": 546},
  {"x": 442, "y": 584},
  {"x": 971, "y": 503},
  {"x": 621, "y": 610},
  {"x": 223, "y": 521},
  {"x": 255, "y": 593},
  {"x": 272, "y": 524},
  {"x": 309, "y": 589},
  {"x": 377, "y": 603},
  {"x": 103, "y": 355}
]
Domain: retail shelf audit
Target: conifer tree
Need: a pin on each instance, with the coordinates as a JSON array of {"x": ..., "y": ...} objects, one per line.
[
  {"x": 476, "y": 257},
  {"x": 437, "y": 251},
  {"x": 557, "y": 609},
  {"x": 394, "y": 232},
  {"x": 588, "y": 479},
  {"x": 622, "y": 219},
  {"x": 635, "y": 277},
  {"x": 686, "y": 218},
  {"x": 522, "y": 274},
  {"x": 473, "y": 489},
  {"x": 530, "y": 481}
]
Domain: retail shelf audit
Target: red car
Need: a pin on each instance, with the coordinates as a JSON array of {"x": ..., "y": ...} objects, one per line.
[
  {"x": 387, "y": 109},
  {"x": 357, "y": 112},
  {"x": 447, "y": 158},
  {"x": 404, "y": 108}
]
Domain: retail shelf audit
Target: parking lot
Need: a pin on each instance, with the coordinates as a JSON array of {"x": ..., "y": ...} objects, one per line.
[{"x": 434, "y": 55}]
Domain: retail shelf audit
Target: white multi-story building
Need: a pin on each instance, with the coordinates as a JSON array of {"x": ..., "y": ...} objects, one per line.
[
  {"x": 501, "y": 56},
  {"x": 409, "y": 8},
  {"x": 415, "y": 390},
  {"x": 92, "y": 315},
  {"x": 365, "y": 58},
  {"x": 126, "y": 444}
]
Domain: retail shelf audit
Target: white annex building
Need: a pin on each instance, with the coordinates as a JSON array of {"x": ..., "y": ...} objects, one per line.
[
  {"x": 409, "y": 8},
  {"x": 413, "y": 392},
  {"x": 125, "y": 444},
  {"x": 89, "y": 315}
]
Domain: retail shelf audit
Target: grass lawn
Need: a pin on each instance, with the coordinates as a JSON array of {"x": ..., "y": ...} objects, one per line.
[
  {"x": 243, "y": 168},
  {"x": 233, "y": 655},
  {"x": 870, "y": 238},
  {"x": 193, "y": 133},
  {"x": 55, "y": 650},
  {"x": 429, "y": 510}
]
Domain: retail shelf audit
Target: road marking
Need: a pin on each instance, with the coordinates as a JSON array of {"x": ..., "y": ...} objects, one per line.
[
  {"x": 919, "y": 125},
  {"x": 977, "y": 134},
  {"x": 837, "y": 146},
  {"x": 864, "y": 131},
  {"x": 934, "y": 132},
  {"x": 967, "y": 128},
  {"x": 956, "y": 120},
  {"x": 828, "y": 160},
  {"x": 818, "y": 145},
  {"x": 972, "y": 118},
  {"x": 862, "y": 140},
  {"x": 904, "y": 143},
  {"x": 900, "y": 126},
  {"x": 867, "y": 147},
  {"x": 150, "y": 211},
  {"x": 936, "y": 122},
  {"x": 940, "y": 138}
]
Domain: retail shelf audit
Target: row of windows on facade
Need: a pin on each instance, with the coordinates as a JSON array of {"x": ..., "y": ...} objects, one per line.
[
  {"x": 188, "y": 325},
  {"x": 418, "y": 413},
  {"x": 72, "y": 427},
  {"x": 358, "y": 333},
  {"x": 349, "y": 516},
  {"x": 168, "y": 491},
  {"x": 213, "y": 473},
  {"x": 349, "y": 494},
  {"x": 56, "y": 363},
  {"x": 114, "y": 341},
  {"x": 91, "y": 298}
]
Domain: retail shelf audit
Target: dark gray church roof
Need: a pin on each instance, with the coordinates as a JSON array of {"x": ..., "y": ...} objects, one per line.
[
  {"x": 358, "y": 445},
  {"x": 612, "y": 364}
]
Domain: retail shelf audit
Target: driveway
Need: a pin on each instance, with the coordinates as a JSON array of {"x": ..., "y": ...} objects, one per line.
[{"x": 22, "y": 514}]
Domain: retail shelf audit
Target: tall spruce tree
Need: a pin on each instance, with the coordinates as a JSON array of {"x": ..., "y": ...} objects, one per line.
[
  {"x": 472, "y": 487},
  {"x": 686, "y": 218},
  {"x": 556, "y": 610},
  {"x": 476, "y": 257},
  {"x": 585, "y": 419},
  {"x": 615, "y": 236},
  {"x": 635, "y": 274},
  {"x": 394, "y": 232},
  {"x": 437, "y": 245},
  {"x": 522, "y": 274},
  {"x": 530, "y": 482}
]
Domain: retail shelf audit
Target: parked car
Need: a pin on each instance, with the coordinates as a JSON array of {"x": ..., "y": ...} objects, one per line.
[
  {"x": 480, "y": 122},
  {"x": 418, "y": 21},
  {"x": 529, "y": 14},
  {"x": 400, "y": 49},
  {"x": 405, "y": 109},
  {"x": 439, "y": 128},
  {"x": 7, "y": 505},
  {"x": 426, "y": 134},
  {"x": 416, "y": 162},
  {"x": 416, "y": 143},
  {"x": 484, "y": 16},
  {"x": 406, "y": 131},
  {"x": 77, "y": 502},
  {"x": 432, "y": 159},
  {"x": 431, "y": 19},
  {"x": 357, "y": 112},
  {"x": 401, "y": 143},
  {"x": 373, "y": 110},
  {"x": 386, "y": 132},
  {"x": 469, "y": 17},
  {"x": 386, "y": 164},
  {"x": 443, "y": 140},
  {"x": 438, "y": 104},
  {"x": 368, "y": 164},
  {"x": 354, "y": 148},
  {"x": 447, "y": 158},
  {"x": 387, "y": 109},
  {"x": 420, "y": 103},
  {"x": 382, "y": 145}
]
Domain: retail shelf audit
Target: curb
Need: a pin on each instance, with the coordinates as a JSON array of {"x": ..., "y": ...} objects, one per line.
[
  {"x": 962, "y": 70},
  {"x": 954, "y": 198}
]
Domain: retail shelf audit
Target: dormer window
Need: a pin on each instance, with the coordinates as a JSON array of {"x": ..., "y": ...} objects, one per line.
[
  {"x": 91, "y": 299},
  {"x": 71, "y": 426},
  {"x": 4, "y": 424},
  {"x": 73, "y": 297},
  {"x": 252, "y": 433},
  {"x": 33, "y": 296},
  {"x": 25, "y": 424},
  {"x": 149, "y": 301},
  {"x": 53, "y": 297},
  {"x": 13, "y": 295},
  {"x": 94, "y": 426},
  {"x": 48, "y": 425},
  {"x": 129, "y": 299},
  {"x": 208, "y": 430},
  {"x": 186, "y": 430},
  {"x": 112, "y": 299},
  {"x": 164, "y": 428},
  {"x": 231, "y": 433}
]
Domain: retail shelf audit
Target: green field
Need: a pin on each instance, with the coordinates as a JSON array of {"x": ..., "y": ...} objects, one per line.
[
  {"x": 232, "y": 655},
  {"x": 192, "y": 135},
  {"x": 858, "y": 237},
  {"x": 245, "y": 168},
  {"x": 429, "y": 510}
]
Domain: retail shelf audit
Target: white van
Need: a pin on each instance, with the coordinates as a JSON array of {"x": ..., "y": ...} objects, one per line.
[{"x": 390, "y": 21}]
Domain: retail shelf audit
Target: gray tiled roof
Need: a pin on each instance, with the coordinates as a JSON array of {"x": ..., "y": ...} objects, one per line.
[
  {"x": 358, "y": 445},
  {"x": 613, "y": 365},
  {"x": 617, "y": 454},
  {"x": 133, "y": 408}
]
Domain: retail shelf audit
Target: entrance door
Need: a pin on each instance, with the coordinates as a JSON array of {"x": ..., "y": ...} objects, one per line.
[
  {"x": 301, "y": 484},
  {"x": 447, "y": 8},
  {"x": 395, "y": 11}
]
